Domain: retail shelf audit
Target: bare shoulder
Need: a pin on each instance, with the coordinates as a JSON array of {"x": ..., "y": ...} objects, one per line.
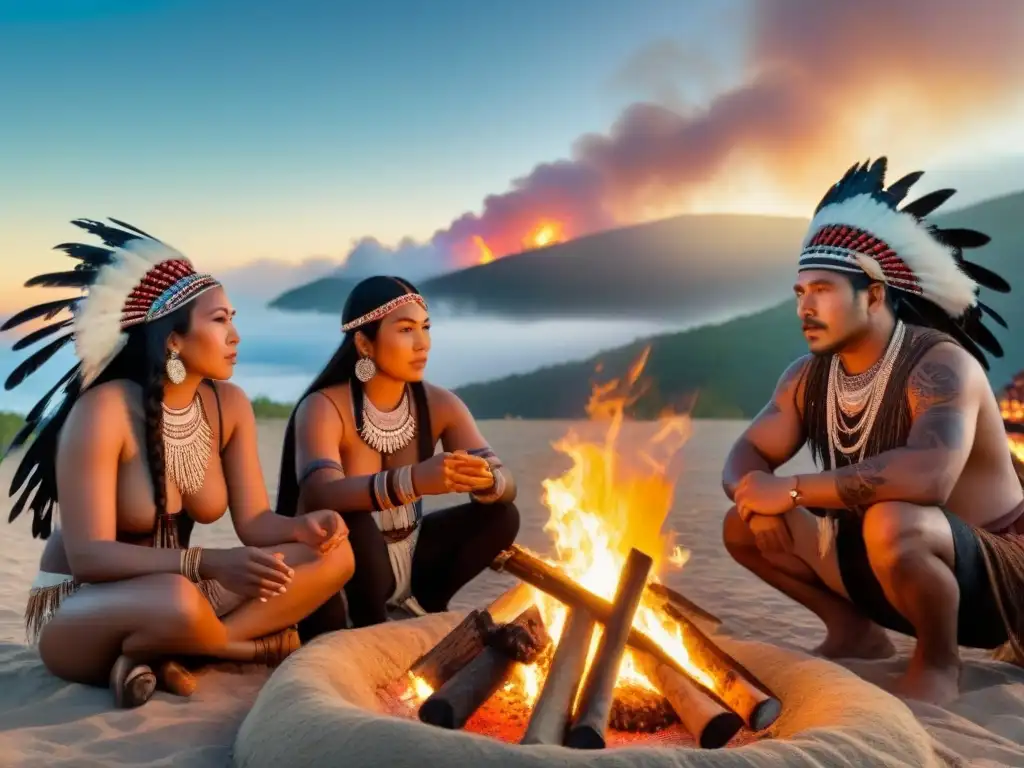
[
  {"x": 103, "y": 414},
  {"x": 945, "y": 373},
  {"x": 324, "y": 407},
  {"x": 234, "y": 403},
  {"x": 444, "y": 404},
  {"x": 790, "y": 388}
]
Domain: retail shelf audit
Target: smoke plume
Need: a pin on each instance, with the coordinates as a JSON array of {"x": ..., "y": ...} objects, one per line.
[{"x": 826, "y": 85}]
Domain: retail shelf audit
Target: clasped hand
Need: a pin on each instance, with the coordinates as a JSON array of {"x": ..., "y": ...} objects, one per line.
[
  {"x": 763, "y": 493},
  {"x": 452, "y": 472}
]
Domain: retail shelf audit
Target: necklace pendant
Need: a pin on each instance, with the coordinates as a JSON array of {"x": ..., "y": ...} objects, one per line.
[{"x": 391, "y": 431}]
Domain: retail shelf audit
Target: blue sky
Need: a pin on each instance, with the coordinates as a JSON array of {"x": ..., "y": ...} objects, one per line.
[
  {"x": 269, "y": 130},
  {"x": 211, "y": 119}
]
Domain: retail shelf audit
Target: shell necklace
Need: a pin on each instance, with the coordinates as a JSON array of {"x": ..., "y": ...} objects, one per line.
[
  {"x": 388, "y": 431},
  {"x": 187, "y": 440},
  {"x": 853, "y": 402}
]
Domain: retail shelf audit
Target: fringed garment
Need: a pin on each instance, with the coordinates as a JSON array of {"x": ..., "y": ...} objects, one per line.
[
  {"x": 49, "y": 590},
  {"x": 989, "y": 563}
]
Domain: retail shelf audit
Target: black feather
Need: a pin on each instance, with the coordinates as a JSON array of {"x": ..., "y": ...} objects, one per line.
[
  {"x": 984, "y": 276},
  {"x": 975, "y": 328},
  {"x": 992, "y": 313},
  {"x": 927, "y": 204},
  {"x": 37, "y": 410},
  {"x": 35, "y": 361},
  {"x": 41, "y": 333},
  {"x": 962, "y": 238},
  {"x": 19, "y": 439},
  {"x": 116, "y": 238},
  {"x": 88, "y": 254},
  {"x": 25, "y": 494},
  {"x": 133, "y": 229},
  {"x": 899, "y": 189},
  {"x": 76, "y": 278},
  {"x": 50, "y": 308}
]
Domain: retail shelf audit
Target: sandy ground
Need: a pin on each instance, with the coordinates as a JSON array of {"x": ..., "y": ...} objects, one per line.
[{"x": 46, "y": 722}]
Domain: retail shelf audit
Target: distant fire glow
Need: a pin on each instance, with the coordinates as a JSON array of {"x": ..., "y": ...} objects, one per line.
[{"x": 540, "y": 235}]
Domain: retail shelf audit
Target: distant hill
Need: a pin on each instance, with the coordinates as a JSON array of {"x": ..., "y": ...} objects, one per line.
[
  {"x": 684, "y": 268},
  {"x": 734, "y": 365}
]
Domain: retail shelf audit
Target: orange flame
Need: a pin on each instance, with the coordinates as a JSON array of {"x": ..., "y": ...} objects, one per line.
[
  {"x": 616, "y": 496},
  {"x": 486, "y": 255},
  {"x": 545, "y": 233}
]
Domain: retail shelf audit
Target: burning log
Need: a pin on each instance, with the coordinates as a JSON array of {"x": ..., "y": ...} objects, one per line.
[
  {"x": 522, "y": 640},
  {"x": 682, "y": 603},
  {"x": 467, "y": 640},
  {"x": 737, "y": 686},
  {"x": 741, "y": 692},
  {"x": 565, "y": 674},
  {"x": 709, "y": 723},
  {"x": 591, "y": 722},
  {"x": 455, "y": 651}
]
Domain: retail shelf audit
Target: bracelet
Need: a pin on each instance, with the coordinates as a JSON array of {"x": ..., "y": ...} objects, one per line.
[
  {"x": 495, "y": 492},
  {"x": 190, "y": 559},
  {"x": 379, "y": 491},
  {"x": 404, "y": 489}
]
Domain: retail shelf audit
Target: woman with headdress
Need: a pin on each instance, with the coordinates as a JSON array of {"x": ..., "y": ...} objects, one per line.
[
  {"x": 142, "y": 445},
  {"x": 362, "y": 441}
]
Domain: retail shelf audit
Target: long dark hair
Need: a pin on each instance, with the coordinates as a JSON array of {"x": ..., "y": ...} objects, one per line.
[
  {"x": 366, "y": 296},
  {"x": 143, "y": 361}
]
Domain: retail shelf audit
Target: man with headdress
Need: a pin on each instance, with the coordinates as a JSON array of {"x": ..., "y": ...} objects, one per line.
[{"x": 914, "y": 521}]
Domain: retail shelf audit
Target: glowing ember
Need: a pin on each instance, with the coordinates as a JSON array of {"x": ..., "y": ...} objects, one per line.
[{"x": 613, "y": 498}]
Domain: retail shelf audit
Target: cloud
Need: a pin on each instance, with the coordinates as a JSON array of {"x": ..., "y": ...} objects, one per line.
[
  {"x": 825, "y": 85},
  {"x": 267, "y": 278}
]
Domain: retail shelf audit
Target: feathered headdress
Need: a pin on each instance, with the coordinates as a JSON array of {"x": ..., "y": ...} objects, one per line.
[
  {"x": 134, "y": 279},
  {"x": 858, "y": 227}
]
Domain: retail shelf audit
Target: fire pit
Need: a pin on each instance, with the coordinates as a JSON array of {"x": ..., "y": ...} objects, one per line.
[
  {"x": 587, "y": 649},
  {"x": 604, "y": 649},
  {"x": 604, "y": 681}
]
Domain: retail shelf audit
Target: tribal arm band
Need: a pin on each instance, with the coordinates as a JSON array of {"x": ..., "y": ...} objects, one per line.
[
  {"x": 391, "y": 488},
  {"x": 316, "y": 465},
  {"x": 503, "y": 491}
]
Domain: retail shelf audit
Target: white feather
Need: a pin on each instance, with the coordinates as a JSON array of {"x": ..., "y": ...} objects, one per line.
[
  {"x": 97, "y": 323},
  {"x": 942, "y": 281}
]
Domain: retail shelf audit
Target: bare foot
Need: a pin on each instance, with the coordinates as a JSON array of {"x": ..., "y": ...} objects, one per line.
[
  {"x": 174, "y": 678},
  {"x": 937, "y": 685},
  {"x": 860, "y": 640}
]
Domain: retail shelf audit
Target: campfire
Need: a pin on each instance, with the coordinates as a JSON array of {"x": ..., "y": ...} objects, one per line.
[
  {"x": 1011, "y": 403},
  {"x": 590, "y": 645}
]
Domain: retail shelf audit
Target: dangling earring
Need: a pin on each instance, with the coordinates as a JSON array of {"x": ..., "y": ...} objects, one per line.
[
  {"x": 175, "y": 368},
  {"x": 365, "y": 369}
]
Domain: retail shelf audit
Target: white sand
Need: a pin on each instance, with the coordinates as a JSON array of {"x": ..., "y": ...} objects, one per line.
[{"x": 46, "y": 722}]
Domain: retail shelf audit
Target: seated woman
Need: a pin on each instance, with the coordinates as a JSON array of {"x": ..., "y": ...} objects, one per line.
[
  {"x": 361, "y": 441},
  {"x": 144, "y": 445}
]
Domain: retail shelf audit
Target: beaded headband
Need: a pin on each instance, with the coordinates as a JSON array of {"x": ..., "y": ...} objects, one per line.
[
  {"x": 135, "y": 279},
  {"x": 384, "y": 310},
  {"x": 858, "y": 228}
]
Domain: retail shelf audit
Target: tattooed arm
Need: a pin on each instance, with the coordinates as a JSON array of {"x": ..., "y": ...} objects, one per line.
[
  {"x": 944, "y": 391},
  {"x": 775, "y": 434}
]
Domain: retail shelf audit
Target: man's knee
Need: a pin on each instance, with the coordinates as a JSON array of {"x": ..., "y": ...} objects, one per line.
[
  {"x": 897, "y": 534},
  {"x": 736, "y": 533}
]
